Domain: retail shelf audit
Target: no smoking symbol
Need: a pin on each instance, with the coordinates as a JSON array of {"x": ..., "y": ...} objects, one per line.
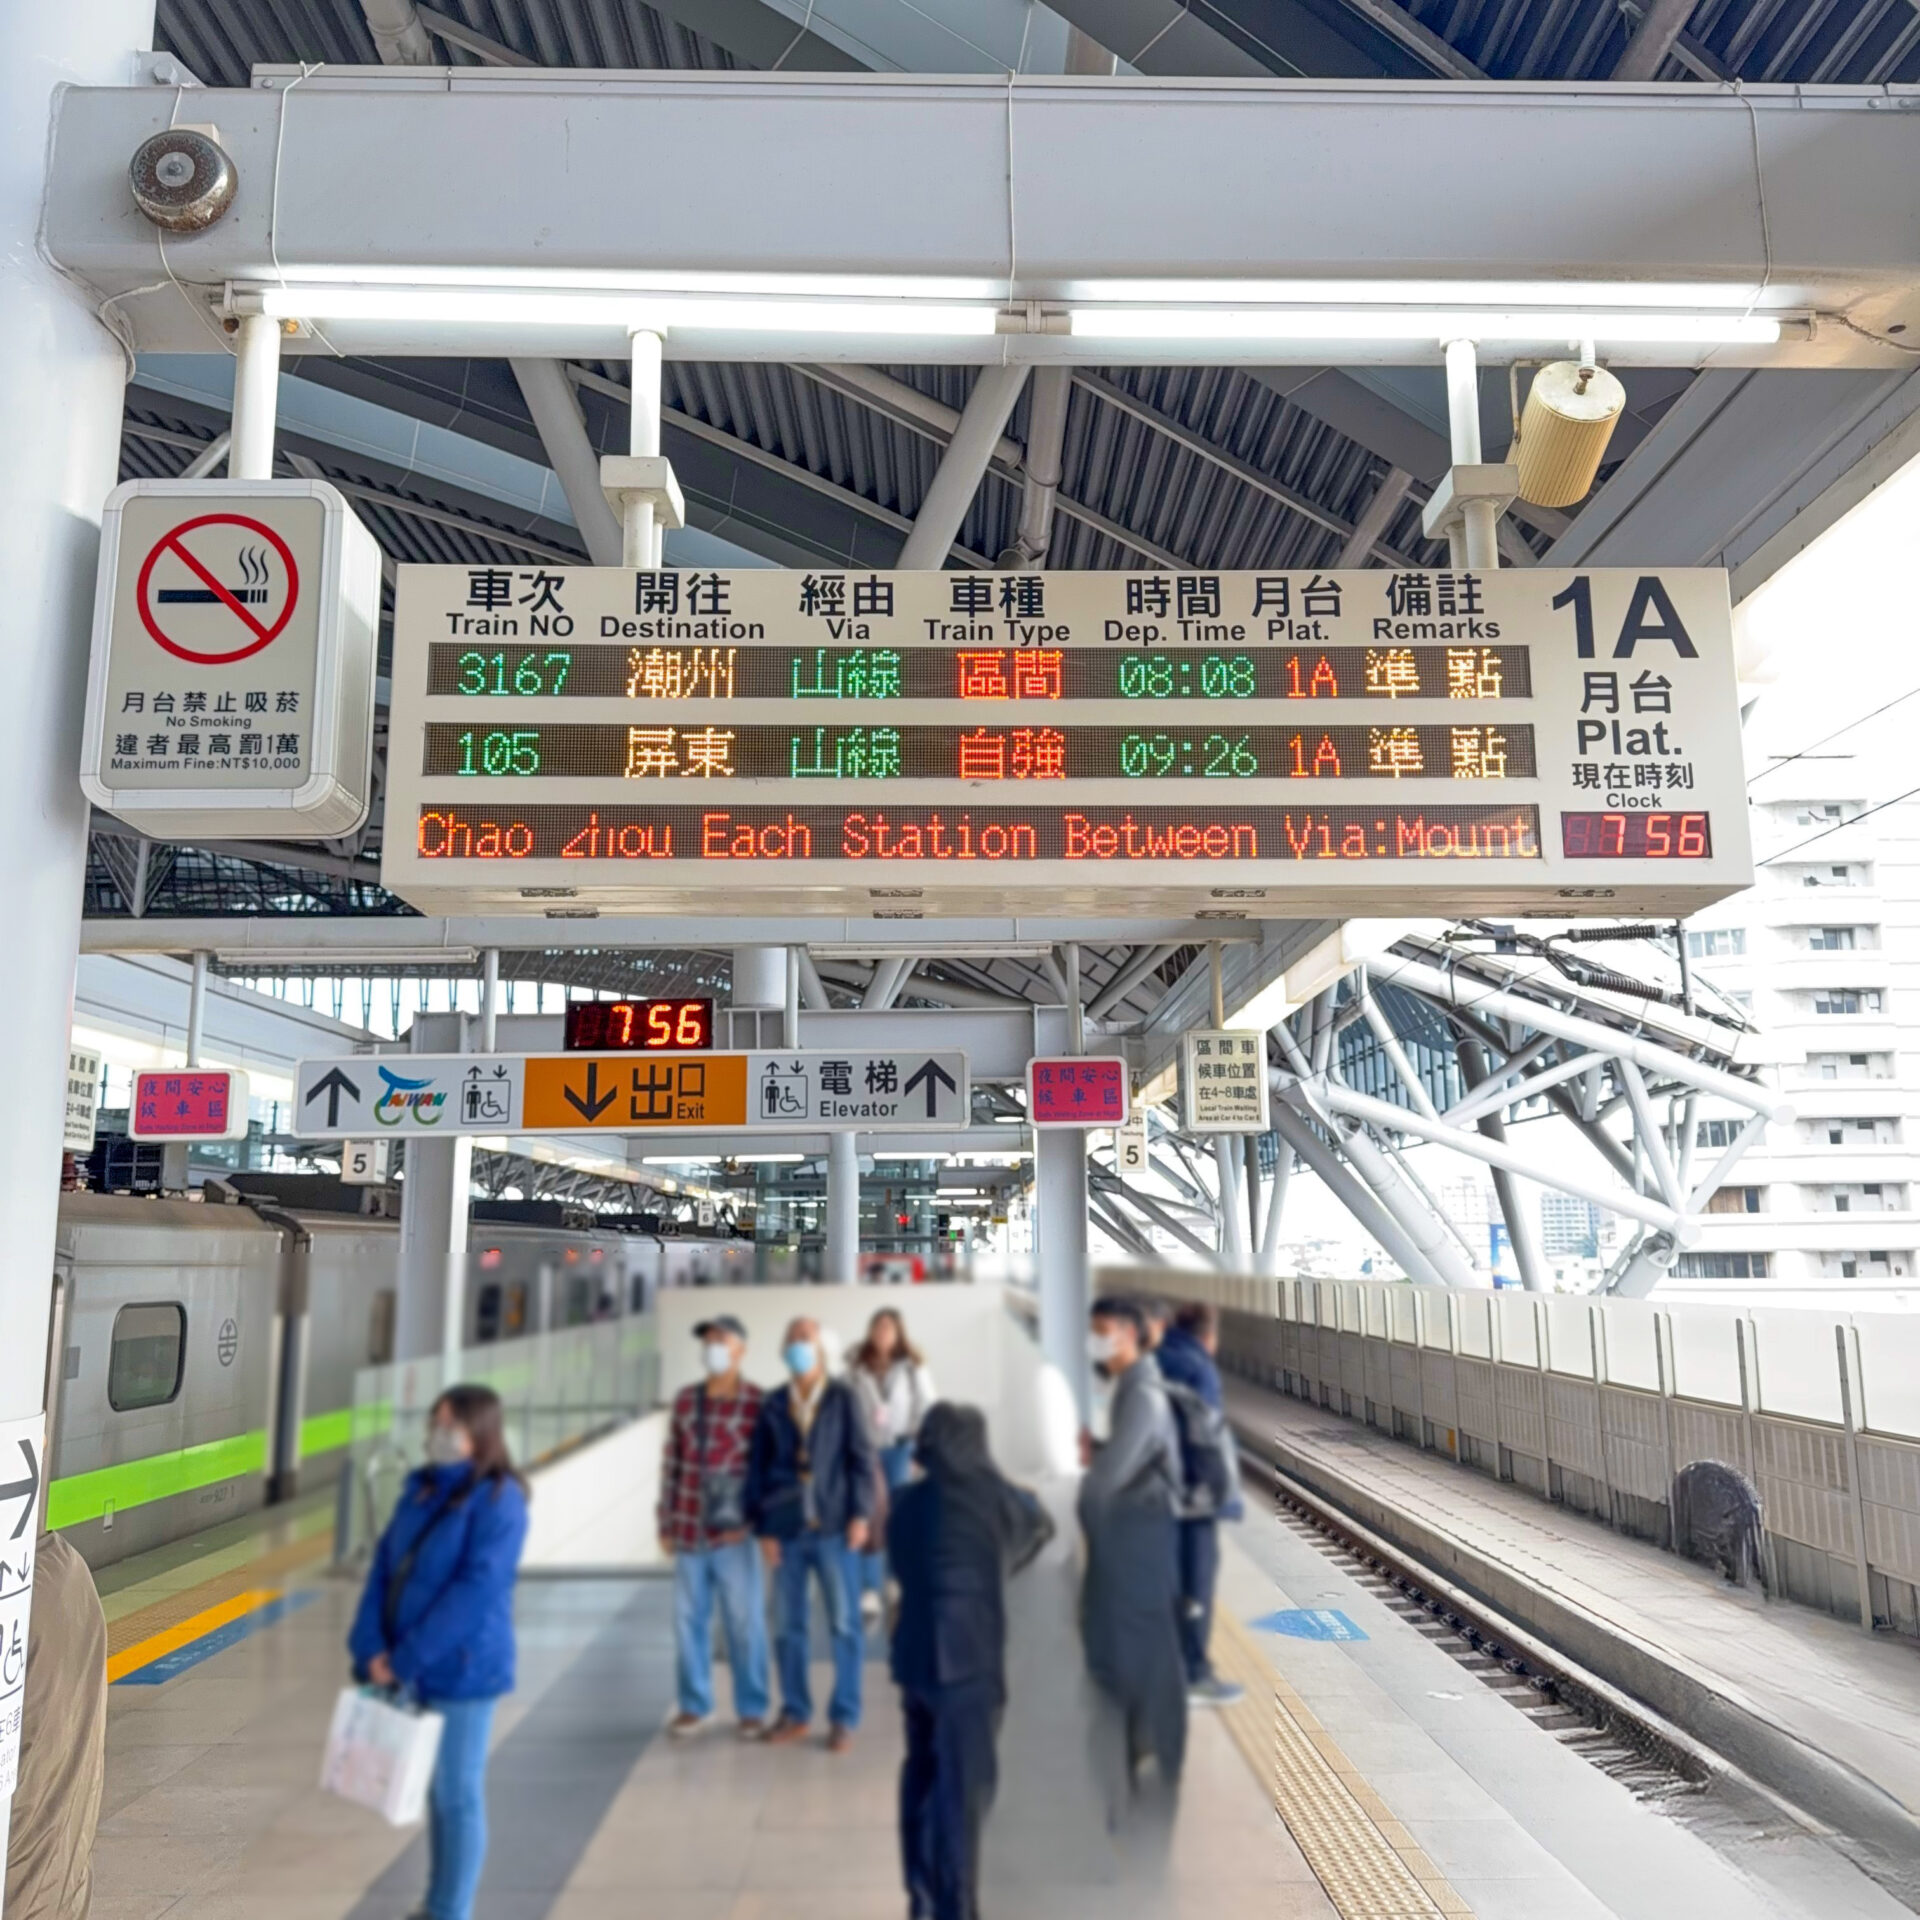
[{"x": 218, "y": 589}]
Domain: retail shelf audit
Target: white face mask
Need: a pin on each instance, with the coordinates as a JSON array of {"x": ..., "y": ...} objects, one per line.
[
  {"x": 718, "y": 1357},
  {"x": 1101, "y": 1347},
  {"x": 447, "y": 1446}
]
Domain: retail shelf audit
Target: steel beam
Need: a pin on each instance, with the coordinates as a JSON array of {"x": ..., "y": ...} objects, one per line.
[
  {"x": 943, "y": 508},
  {"x": 563, "y": 432},
  {"x": 1104, "y": 189}
]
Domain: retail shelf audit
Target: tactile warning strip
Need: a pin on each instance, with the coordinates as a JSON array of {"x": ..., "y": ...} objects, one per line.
[
  {"x": 1369, "y": 1864},
  {"x": 264, "y": 1570}
]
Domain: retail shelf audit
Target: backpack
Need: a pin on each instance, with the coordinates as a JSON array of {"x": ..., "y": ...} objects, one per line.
[{"x": 1209, "y": 1460}]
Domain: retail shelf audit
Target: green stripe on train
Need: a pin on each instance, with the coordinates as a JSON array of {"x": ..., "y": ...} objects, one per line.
[
  {"x": 322, "y": 1432},
  {"x": 86, "y": 1496}
]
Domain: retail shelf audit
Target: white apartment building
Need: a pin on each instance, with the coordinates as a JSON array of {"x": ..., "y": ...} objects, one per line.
[{"x": 1825, "y": 953}]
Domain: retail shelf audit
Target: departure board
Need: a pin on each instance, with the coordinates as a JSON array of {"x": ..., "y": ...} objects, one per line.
[{"x": 896, "y": 744}]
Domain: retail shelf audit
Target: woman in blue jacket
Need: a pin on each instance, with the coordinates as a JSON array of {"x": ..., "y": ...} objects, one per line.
[{"x": 437, "y": 1619}]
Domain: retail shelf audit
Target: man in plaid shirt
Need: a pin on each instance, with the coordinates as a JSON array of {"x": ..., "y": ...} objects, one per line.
[{"x": 703, "y": 1526}]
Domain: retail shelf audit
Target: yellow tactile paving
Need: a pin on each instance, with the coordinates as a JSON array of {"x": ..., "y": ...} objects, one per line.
[
  {"x": 1364, "y": 1858},
  {"x": 189, "y": 1603},
  {"x": 143, "y": 1653}
]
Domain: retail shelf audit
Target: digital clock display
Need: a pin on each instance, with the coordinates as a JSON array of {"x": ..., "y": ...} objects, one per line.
[
  {"x": 639, "y": 1026},
  {"x": 1636, "y": 836}
]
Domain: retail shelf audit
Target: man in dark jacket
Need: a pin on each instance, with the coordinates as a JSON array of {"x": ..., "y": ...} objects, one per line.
[
  {"x": 1185, "y": 1353},
  {"x": 812, "y": 1486},
  {"x": 952, "y": 1540},
  {"x": 1130, "y": 1610}
]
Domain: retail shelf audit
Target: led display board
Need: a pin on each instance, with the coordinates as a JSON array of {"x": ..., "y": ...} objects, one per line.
[
  {"x": 639, "y": 1026},
  {"x": 1275, "y": 744}
]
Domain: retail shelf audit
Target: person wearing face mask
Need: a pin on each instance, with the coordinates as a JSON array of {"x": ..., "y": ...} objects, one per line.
[
  {"x": 812, "y": 1486},
  {"x": 1130, "y": 1600},
  {"x": 436, "y": 1621},
  {"x": 703, "y": 1527}
]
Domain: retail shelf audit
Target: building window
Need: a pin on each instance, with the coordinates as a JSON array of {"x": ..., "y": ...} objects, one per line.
[
  {"x": 1718, "y": 1133},
  {"x": 1721, "y": 1266},
  {"x": 1845, "y": 1000},
  {"x": 1734, "y": 1200},
  {"x": 147, "y": 1356},
  {"x": 1717, "y": 942},
  {"x": 1831, "y": 939}
]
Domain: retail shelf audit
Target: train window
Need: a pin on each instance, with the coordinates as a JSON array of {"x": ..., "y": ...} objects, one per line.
[
  {"x": 516, "y": 1320},
  {"x": 149, "y": 1345},
  {"x": 380, "y": 1329},
  {"x": 486, "y": 1321}
]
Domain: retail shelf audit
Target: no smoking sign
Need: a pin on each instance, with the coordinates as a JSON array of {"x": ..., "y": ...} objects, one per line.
[
  {"x": 218, "y": 588},
  {"x": 230, "y": 689}
]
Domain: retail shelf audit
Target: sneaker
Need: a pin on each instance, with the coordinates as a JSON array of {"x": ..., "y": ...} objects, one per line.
[
  {"x": 870, "y": 1605},
  {"x": 682, "y": 1725},
  {"x": 785, "y": 1731},
  {"x": 840, "y": 1740},
  {"x": 1215, "y": 1692},
  {"x": 751, "y": 1730}
]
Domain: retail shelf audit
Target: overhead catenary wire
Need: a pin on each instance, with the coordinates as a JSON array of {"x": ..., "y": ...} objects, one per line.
[
  {"x": 1867, "y": 813},
  {"x": 1885, "y": 707}
]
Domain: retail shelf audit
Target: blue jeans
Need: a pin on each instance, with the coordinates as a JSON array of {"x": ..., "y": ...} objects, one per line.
[
  {"x": 833, "y": 1563},
  {"x": 896, "y": 1468},
  {"x": 457, "y": 1808},
  {"x": 733, "y": 1573}
]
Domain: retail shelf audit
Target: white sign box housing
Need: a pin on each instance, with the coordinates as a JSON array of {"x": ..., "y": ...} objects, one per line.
[{"x": 230, "y": 689}]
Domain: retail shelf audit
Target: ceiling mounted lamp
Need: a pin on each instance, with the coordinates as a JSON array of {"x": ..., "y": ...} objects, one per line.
[{"x": 1428, "y": 325}]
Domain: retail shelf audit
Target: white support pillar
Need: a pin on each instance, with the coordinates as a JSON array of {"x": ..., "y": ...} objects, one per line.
[
  {"x": 256, "y": 398},
  {"x": 489, "y": 1000},
  {"x": 62, "y": 380},
  {"x": 843, "y": 1209},
  {"x": 197, "y": 1008},
  {"x": 759, "y": 976},
  {"x": 1235, "y": 1254},
  {"x": 642, "y": 537},
  {"x": 1060, "y": 1210},
  {"x": 430, "y": 1308},
  {"x": 937, "y": 525}
]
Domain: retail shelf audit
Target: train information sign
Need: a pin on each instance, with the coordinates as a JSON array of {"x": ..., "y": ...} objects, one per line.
[
  {"x": 1223, "y": 1082},
  {"x": 1525, "y": 740},
  {"x": 231, "y": 684},
  {"x": 190, "y": 1103},
  {"x": 808, "y": 1092}
]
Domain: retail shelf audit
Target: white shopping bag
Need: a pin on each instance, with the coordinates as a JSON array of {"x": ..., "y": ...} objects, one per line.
[{"x": 380, "y": 1755}]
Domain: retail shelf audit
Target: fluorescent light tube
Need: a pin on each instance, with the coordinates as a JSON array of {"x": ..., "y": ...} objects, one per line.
[
  {"x": 1385, "y": 323},
  {"x": 497, "y": 306}
]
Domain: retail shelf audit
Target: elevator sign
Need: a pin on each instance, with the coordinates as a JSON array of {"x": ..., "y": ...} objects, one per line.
[
  {"x": 230, "y": 690},
  {"x": 1240, "y": 744}
]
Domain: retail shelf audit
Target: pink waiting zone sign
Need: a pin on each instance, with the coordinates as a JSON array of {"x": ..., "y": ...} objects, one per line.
[{"x": 1078, "y": 1091}]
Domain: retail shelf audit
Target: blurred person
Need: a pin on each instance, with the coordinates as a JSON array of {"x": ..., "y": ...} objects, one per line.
[
  {"x": 1185, "y": 1357},
  {"x": 63, "y": 1742},
  {"x": 894, "y": 1388},
  {"x": 1130, "y": 1605},
  {"x": 812, "y": 1487},
  {"x": 436, "y": 1621},
  {"x": 953, "y": 1538},
  {"x": 703, "y": 1527}
]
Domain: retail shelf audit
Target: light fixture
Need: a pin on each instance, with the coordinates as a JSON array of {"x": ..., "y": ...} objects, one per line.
[
  {"x": 1435, "y": 324},
  {"x": 561, "y": 307},
  {"x": 274, "y": 960}
]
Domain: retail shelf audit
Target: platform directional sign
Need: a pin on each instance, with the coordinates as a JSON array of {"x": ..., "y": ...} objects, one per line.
[
  {"x": 1223, "y": 1082},
  {"x": 827, "y": 1092}
]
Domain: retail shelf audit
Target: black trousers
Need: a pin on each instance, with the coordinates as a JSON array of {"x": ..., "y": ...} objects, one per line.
[
  {"x": 1199, "y": 1574},
  {"x": 947, "y": 1784}
]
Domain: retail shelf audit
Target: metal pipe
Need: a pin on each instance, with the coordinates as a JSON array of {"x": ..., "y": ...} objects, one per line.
[
  {"x": 881, "y": 987},
  {"x": 1076, "y": 1013},
  {"x": 196, "y": 1007},
  {"x": 813, "y": 990},
  {"x": 1216, "y": 984},
  {"x": 563, "y": 434},
  {"x": 943, "y": 508},
  {"x": 489, "y": 1000},
  {"x": 1320, "y": 1158},
  {"x": 1660, "y": 26},
  {"x": 843, "y": 1210},
  {"x": 1129, "y": 976},
  {"x": 641, "y": 541},
  {"x": 209, "y": 457},
  {"x": 1267, "y": 1261},
  {"x": 398, "y": 37},
  {"x": 256, "y": 395},
  {"x": 790, "y": 1026},
  {"x": 1234, "y": 1246},
  {"x": 1476, "y": 544},
  {"x": 1046, "y": 438},
  {"x": 1520, "y": 1233}
]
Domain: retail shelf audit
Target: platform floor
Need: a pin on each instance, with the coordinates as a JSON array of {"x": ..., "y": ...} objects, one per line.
[
  {"x": 1838, "y": 1690},
  {"x": 1368, "y": 1778}
]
